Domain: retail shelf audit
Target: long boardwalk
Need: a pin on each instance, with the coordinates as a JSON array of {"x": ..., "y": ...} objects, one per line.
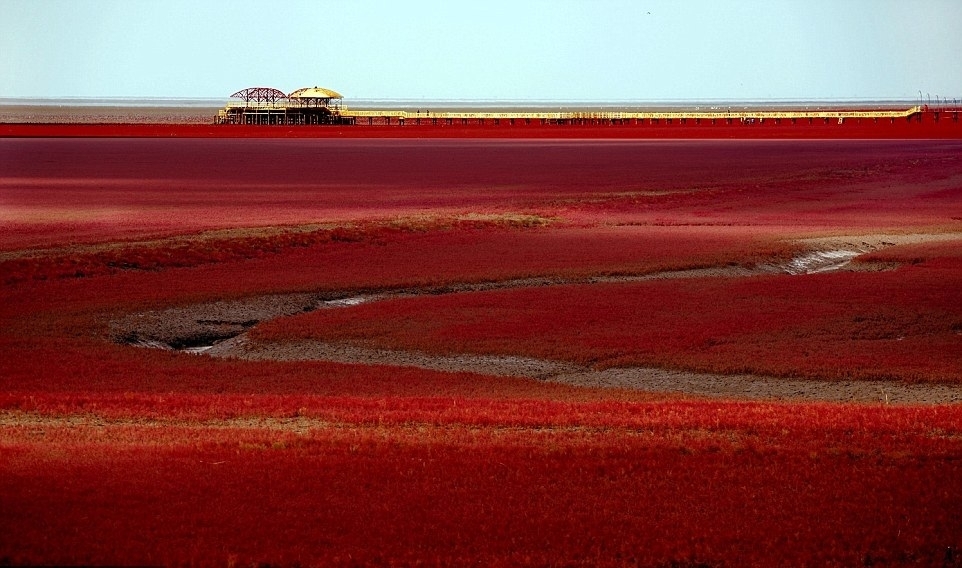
[
  {"x": 284, "y": 111},
  {"x": 618, "y": 117}
]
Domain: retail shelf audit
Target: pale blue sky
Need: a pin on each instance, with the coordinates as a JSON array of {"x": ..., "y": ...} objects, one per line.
[{"x": 520, "y": 49}]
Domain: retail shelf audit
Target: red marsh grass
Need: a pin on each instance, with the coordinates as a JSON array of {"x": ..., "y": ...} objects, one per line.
[{"x": 111, "y": 454}]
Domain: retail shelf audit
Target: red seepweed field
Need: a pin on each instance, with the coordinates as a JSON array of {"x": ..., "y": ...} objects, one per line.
[{"x": 413, "y": 343}]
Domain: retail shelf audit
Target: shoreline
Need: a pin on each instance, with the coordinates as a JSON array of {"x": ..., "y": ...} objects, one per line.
[
  {"x": 174, "y": 119},
  {"x": 930, "y": 126}
]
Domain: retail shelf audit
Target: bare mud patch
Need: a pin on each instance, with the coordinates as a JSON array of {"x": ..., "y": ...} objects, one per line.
[
  {"x": 875, "y": 241},
  {"x": 755, "y": 387},
  {"x": 497, "y": 365},
  {"x": 747, "y": 387},
  {"x": 204, "y": 325}
]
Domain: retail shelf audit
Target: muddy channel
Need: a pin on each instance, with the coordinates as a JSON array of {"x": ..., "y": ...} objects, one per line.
[{"x": 219, "y": 329}]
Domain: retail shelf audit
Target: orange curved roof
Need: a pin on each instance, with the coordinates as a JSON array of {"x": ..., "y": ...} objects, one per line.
[{"x": 315, "y": 93}]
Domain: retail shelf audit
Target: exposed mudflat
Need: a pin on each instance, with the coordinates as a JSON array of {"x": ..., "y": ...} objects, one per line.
[
  {"x": 241, "y": 348},
  {"x": 876, "y": 241},
  {"x": 205, "y": 324},
  {"x": 635, "y": 378},
  {"x": 218, "y": 329}
]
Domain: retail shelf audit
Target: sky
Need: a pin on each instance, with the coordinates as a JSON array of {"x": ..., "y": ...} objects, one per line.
[{"x": 598, "y": 50}]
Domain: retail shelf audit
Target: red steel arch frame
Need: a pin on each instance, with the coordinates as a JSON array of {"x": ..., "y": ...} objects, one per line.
[{"x": 260, "y": 95}]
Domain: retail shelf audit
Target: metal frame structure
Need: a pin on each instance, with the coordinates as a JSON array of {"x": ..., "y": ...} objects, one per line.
[
  {"x": 267, "y": 105},
  {"x": 260, "y": 95}
]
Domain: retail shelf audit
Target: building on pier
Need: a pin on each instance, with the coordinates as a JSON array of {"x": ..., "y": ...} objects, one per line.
[{"x": 267, "y": 105}]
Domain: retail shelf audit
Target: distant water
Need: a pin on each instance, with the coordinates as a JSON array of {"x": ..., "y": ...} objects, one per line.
[
  {"x": 483, "y": 104},
  {"x": 132, "y": 102}
]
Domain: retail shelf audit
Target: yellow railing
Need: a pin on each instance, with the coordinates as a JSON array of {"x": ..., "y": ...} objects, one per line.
[
  {"x": 672, "y": 115},
  {"x": 256, "y": 105}
]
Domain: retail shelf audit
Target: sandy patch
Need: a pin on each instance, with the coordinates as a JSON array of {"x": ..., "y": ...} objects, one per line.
[{"x": 35, "y": 422}]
